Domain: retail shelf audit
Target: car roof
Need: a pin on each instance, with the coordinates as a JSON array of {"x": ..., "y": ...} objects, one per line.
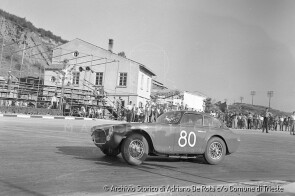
[{"x": 193, "y": 112}]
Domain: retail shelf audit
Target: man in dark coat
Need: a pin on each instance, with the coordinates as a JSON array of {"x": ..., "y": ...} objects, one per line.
[{"x": 266, "y": 117}]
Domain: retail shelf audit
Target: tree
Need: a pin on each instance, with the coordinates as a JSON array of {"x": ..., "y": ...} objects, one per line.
[{"x": 208, "y": 105}]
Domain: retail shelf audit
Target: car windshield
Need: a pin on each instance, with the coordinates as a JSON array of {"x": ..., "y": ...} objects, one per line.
[{"x": 169, "y": 117}]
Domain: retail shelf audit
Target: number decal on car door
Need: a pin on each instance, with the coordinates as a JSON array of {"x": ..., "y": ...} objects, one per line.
[{"x": 185, "y": 139}]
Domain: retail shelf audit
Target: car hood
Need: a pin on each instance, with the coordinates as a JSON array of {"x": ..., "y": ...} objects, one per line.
[
  {"x": 125, "y": 125},
  {"x": 105, "y": 126}
]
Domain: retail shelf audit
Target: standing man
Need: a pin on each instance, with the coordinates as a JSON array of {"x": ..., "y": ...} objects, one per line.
[
  {"x": 129, "y": 111},
  {"x": 292, "y": 122},
  {"x": 133, "y": 113},
  {"x": 54, "y": 101},
  {"x": 249, "y": 121},
  {"x": 146, "y": 112},
  {"x": 265, "y": 120},
  {"x": 276, "y": 123},
  {"x": 281, "y": 123},
  {"x": 255, "y": 121}
]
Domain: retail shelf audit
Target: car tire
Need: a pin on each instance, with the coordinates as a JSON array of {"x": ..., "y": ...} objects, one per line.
[
  {"x": 215, "y": 151},
  {"x": 110, "y": 152},
  {"x": 135, "y": 149}
]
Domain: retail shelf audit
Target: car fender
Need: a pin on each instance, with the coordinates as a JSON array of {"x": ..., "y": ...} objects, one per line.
[{"x": 145, "y": 134}]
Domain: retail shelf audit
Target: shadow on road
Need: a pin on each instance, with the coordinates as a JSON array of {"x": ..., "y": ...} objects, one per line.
[
  {"x": 198, "y": 160},
  {"x": 94, "y": 154},
  {"x": 151, "y": 165},
  {"x": 91, "y": 154}
]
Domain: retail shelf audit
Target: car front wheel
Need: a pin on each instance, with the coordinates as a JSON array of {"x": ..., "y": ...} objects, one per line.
[
  {"x": 215, "y": 151},
  {"x": 135, "y": 149}
]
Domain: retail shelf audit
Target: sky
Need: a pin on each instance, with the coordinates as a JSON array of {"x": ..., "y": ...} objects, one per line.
[{"x": 222, "y": 48}]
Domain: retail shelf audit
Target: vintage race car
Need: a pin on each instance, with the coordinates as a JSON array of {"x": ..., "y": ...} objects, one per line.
[{"x": 175, "y": 133}]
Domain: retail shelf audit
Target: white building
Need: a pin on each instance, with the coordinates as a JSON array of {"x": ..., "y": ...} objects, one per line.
[
  {"x": 117, "y": 75},
  {"x": 194, "y": 100}
]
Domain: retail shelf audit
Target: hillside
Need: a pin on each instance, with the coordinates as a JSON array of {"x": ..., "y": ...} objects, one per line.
[
  {"x": 26, "y": 49},
  {"x": 257, "y": 109}
]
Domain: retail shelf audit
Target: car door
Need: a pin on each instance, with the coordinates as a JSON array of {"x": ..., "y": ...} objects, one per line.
[
  {"x": 191, "y": 134},
  {"x": 164, "y": 132},
  {"x": 163, "y": 137}
]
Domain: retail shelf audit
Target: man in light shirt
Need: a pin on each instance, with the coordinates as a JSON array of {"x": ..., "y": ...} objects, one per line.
[
  {"x": 54, "y": 101},
  {"x": 281, "y": 123},
  {"x": 266, "y": 120},
  {"x": 129, "y": 109}
]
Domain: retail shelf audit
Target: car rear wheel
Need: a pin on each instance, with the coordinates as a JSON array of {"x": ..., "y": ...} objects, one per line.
[
  {"x": 215, "y": 151},
  {"x": 110, "y": 152},
  {"x": 135, "y": 149}
]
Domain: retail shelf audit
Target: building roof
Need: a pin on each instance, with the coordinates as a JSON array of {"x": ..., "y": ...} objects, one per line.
[
  {"x": 158, "y": 84},
  {"x": 141, "y": 65}
]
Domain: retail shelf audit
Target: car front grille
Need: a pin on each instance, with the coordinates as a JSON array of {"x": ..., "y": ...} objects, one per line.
[{"x": 99, "y": 136}]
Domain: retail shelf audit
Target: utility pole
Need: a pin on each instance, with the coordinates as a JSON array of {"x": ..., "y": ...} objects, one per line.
[
  {"x": 23, "y": 54},
  {"x": 269, "y": 95},
  {"x": 241, "y": 98},
  {"x": 252, "y": 94},
  {"x": 65, "y": 62}
]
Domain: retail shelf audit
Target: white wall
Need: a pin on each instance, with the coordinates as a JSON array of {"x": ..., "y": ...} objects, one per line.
[
  {"x": 193, "y": 101},
  {"x": 143, "y": 87}
]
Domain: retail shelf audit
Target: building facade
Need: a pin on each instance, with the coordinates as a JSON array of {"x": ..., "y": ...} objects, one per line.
[{"x": 87, "y": 67}]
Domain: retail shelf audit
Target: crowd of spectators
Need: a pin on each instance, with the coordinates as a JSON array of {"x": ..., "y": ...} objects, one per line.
[
  {"x": 146, "y": 113},
  {"x": 151, "y": 111},
  {"x": 265, "y": 121}
]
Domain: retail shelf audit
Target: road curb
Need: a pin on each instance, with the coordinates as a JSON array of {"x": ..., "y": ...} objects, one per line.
[{"x": 46, "y": 117}]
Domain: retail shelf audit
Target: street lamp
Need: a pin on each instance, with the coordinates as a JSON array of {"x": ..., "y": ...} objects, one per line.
[
  {"x": 252, "y": 94},
  {"x": 269, "y": 95}
]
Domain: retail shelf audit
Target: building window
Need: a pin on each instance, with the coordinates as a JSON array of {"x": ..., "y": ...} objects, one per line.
[
  {"x": 148, "y": 85},
  {"x": 141, "y": 84},
  {"x": 123, "y": 79},
  {"x": 76, "y": 78},
  {"x": 99, "y": 78}
]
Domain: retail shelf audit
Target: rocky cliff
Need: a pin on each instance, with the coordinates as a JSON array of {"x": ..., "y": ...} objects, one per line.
[{"x": 23, "y": 51}]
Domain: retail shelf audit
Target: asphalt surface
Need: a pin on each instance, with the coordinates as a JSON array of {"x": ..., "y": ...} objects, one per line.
[{"x": 57, "y": 157}]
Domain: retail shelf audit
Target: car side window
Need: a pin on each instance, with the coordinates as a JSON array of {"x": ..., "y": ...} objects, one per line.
[
  {"x": 211, "y": 122},
  {"x": 192, "y": 119},
  {"x": 216, "y": 123},
  {"x": 208, "y": 121}
]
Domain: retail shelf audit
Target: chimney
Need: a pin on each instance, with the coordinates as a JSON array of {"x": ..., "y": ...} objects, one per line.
[{"x": 111, "y": 42}]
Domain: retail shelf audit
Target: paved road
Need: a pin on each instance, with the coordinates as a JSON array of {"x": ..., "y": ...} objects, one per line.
[{"x": 57, "y": 157}]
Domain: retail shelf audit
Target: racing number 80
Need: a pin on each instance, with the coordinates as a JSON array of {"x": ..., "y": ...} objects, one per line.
[{"x": 187, "y": 139}]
